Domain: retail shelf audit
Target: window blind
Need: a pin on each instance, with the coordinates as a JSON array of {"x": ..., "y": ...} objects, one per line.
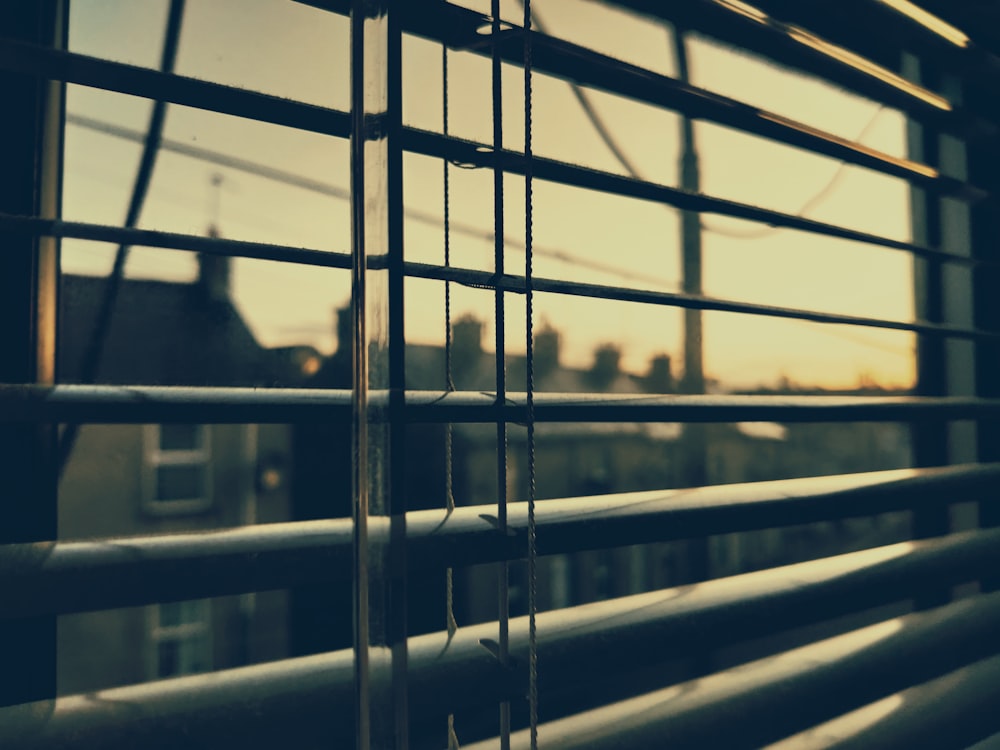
[{"x": 498, "y": 507}]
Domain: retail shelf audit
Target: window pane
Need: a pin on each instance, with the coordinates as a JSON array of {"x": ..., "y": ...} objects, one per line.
[
  {"x": 171, "y": 613},
  {"x": 180, "y": 437},
  {"x": 178, "y": 656},
  {"x": 194, "y": 655},
  {"x": 180, "y": 483},
  {"x": 194, "y": 611},
  {"x": 168, "y": 661}
]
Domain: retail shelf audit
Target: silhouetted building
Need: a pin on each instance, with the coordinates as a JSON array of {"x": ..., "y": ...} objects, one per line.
[
  {"x": 660, "y": 378},
  {"x": 126, "y": 480}
]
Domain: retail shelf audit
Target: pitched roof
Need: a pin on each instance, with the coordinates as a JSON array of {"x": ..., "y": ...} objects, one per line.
[{"x": 164, "y": 333}]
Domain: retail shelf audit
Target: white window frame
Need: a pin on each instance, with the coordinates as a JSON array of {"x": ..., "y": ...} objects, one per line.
[
  {"x": 196, "y": 633},
  {"x": 155, "y": 457}
]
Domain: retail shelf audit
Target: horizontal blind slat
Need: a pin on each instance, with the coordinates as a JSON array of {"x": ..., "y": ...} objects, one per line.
[
  {"x": 469, "y": 277},
  {"x": 74, "y": 576},
  {"x": 313, "y": 693},
  {"x": 91, "y": 71},
  {"x": 136, "y": 404},
  {"x": 770, "y": 698}
]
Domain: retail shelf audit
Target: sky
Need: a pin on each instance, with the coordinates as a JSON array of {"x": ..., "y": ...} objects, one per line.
[{"x": 292, "y": 50}]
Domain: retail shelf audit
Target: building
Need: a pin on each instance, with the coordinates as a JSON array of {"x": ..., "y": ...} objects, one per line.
[
  {"x": 577, "y": 460},
  {"x": 172, "y": 478},
  {"x": 131, "y": 480}
]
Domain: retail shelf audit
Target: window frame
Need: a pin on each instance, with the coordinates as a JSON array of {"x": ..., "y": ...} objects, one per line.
[
  {"x": 185, "y": 633},
  {"x": 155, "y": 457}
]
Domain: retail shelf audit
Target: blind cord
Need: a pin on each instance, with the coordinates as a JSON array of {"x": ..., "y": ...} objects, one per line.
[
  {"x": 530, "y": 395},
  {"x": 91, "y": 360},
  {"x": 583, "y": 99},
  {"x": 449, "y": 382},
  {"x": 449, "y": 378},
  {"x": 503, "y": 574}
]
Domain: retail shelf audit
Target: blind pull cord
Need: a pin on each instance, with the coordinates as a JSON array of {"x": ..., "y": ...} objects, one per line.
[
  {"x": 530, "y": 368},
  {"x": 449, "y": 494},
  {"x": 91, "y": 361},
  {"x": 503, "y": 571}
]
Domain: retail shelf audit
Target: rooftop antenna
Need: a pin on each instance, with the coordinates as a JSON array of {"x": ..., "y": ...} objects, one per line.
[
  {"x": 215, "y": 203},
  {"x": 214, "y": 269}
]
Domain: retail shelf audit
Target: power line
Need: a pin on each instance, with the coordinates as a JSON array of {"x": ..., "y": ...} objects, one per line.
[
  {"x": 286, "y": 177},
  {"x": 811, "y": 204},
  {"x": 900, "y": 351},
  {"x": 296, "y": 180},
  {"x": 150, "y": 140},
  {"x": 601, "y": 128},
  {"x": 604, "y": 132}
]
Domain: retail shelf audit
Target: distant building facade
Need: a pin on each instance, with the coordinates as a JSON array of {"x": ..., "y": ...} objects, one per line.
[
  {"x": 576, "y": 460},
  {"x": 124, "y": 480},
  {"x": 127, "y": 480}
]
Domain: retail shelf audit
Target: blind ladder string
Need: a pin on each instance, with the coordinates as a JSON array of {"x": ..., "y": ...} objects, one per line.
[
  {"x": 449, "y": 493},
  {"x": 530, "y": 386},
  {"x": 503, "y": 575}
]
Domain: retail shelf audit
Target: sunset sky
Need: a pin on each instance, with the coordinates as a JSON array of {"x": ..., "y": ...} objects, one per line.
[{"x": 296, "y": 51}]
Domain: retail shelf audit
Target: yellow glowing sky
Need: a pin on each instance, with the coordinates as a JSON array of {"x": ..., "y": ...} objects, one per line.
[{"x": 296, "y": 51}]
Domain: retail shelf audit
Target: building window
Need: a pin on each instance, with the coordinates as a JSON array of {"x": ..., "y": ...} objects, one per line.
[
  {"x": 177, "y": 468},
  {"x": 180, "y": 641}
]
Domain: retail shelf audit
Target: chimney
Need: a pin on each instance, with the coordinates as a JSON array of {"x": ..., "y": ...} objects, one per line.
[
  {"x": 213, "y": 277},
  {"x": 466, "y": 346},
  {"x": 546, "y": 348},
  {"x": 213, "y": 273},
  {"x": 660, "y": 379},
  {"x": 605, "y": 367},
  {"x": 343, "y": 330}
]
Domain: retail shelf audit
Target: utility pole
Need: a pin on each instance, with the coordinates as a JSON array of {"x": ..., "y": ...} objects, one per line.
[
  {"x": 694, "y": 374},
  {"x": 694, "y": 469}
]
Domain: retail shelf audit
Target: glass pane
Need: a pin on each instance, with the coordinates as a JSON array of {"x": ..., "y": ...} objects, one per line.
[
  {"x": 171, "y": 614},
  {"x": 180, "y": 437},
  {"x": 195, "y": 610},
  {"x": 194, "y": 655},
  {"x": 183, "y": 613},
  {"x": 180, "y": 483},
  {"x": 168, "y": 658}
]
